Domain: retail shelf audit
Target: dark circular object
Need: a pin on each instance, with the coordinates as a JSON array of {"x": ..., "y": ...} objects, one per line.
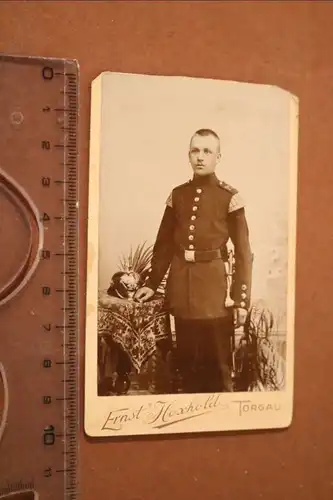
[
  {"x": 3, "y": 400},
  {"x": 18, "y": 214}
]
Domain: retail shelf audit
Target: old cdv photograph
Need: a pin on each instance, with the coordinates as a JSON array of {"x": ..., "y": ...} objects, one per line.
[{"x": 191, "y": 256}]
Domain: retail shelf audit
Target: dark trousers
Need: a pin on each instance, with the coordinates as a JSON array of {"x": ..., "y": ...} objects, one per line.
[{"x": 203, "y": 354}]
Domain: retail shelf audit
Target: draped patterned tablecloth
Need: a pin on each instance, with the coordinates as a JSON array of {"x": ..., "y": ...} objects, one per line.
[{"x": 135, "y": 327}]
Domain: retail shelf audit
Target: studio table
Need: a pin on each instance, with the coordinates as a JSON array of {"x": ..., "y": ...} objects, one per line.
[{"x": 131, "y": 333}]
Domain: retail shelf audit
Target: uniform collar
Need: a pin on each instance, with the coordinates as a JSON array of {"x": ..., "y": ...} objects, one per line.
[{"x": 205, "y": 180}]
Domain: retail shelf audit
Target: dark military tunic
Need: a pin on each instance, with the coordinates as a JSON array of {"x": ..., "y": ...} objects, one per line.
[{"x": 200, "y": 217}]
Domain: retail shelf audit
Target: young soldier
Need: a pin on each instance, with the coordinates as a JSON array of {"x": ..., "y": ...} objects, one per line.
[{"x": 200, "y": 217}]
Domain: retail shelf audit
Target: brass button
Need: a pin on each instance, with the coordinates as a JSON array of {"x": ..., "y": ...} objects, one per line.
[
  {"x": 244, "y": 287},
  {"x": 242, "y": 304},
  {"x": 192, "y": 227},
  {"x": 194, "y": 208},
  {"x": 243, "y": 295},
  {"x": 199, "y": 190},
  {"x": 191, "y": 237},
  {"x": 191, "y": 247},
  {"x": 196, "y": 198},
  {"x": 193, "y": 217}
]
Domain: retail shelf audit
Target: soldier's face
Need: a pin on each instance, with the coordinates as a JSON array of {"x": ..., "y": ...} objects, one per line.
[{"x": 204, "y": 154}]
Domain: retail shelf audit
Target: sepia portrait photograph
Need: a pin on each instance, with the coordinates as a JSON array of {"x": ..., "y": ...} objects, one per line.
[{"x": 191, "y": 255}]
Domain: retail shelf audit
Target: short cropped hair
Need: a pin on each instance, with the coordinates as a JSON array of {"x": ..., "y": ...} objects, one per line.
[{"x": 206, "y": 131}]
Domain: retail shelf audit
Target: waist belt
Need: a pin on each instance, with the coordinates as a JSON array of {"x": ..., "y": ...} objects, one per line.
[{"x": 200, "y": 255}]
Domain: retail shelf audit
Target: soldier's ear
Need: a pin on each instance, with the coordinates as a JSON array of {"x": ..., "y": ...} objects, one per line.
[{"x": 219, "y": 156}]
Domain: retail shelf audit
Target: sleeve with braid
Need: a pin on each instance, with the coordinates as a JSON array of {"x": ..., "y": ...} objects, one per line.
[{"x": 239, "y": 235}]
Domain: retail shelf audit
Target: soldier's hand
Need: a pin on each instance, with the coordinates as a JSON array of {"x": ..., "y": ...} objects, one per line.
[
  {"x": 239, "y": 317},
  {"x": 144, "y": 294}
]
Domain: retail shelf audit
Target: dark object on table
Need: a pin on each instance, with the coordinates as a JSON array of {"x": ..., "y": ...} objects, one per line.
[
  {"x": 134, "y": 270},
  {"x": 124, "y": 284}
]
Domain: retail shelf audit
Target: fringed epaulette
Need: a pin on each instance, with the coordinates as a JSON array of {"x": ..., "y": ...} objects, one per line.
[
  {"x": 168, "y": 201},
  {"x": 236, "y": 202}
]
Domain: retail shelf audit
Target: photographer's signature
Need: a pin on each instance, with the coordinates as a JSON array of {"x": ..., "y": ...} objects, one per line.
[{"x": 162, "y": 414}]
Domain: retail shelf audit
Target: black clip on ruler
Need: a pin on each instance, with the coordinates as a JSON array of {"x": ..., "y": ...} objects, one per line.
[{"x": 39, "y": 313}]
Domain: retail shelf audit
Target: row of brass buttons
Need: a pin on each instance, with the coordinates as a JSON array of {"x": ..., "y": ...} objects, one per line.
[{"x": 193, "y": 217}]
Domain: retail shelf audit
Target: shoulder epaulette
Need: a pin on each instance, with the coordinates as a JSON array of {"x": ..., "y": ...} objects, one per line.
[
  {"x": 169, "y": 199},
  {"x": 227, "y": 187}
]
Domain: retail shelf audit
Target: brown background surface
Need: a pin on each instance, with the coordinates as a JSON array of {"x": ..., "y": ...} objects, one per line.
[{"x": 289, "y": 44}]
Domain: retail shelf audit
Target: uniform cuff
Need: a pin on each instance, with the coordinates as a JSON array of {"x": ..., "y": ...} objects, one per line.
[{"x": 242, "y": 297}]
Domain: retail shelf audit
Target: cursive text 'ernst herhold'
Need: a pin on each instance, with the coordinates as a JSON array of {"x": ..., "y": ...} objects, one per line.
[{"x": 163, "y": 413}]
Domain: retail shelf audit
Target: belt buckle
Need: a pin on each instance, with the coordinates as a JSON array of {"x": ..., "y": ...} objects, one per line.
[{"x": 189, "y": 255}]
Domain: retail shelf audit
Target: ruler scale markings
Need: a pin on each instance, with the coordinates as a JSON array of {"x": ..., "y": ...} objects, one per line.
[
  {"x": 72, "y": 193},
  {"x": 61, "y": 273}
]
